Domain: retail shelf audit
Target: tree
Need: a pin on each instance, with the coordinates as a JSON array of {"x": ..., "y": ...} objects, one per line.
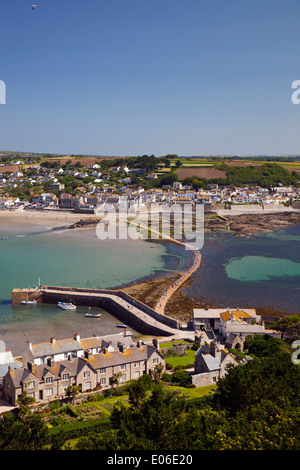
[
  {"x": 72, "y": 391},
  {"x": 115, "y": 379},
  {"x": 27, "y": 432},
  {"x": 180, "y": 377},
  {"x": 264, "y": 345},
  {"x": 137, "y": 392},
  {"x": 157, "y": 373}
]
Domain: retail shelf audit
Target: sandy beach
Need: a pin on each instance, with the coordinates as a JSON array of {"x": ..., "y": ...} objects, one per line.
[{"x": 31, "y": 219}]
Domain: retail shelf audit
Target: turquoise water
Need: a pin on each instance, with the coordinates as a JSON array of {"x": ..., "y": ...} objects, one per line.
[
  {"x": 66, "y": 261},
  {"x": 261, "y": 268},
  {"x": 69, "y": 260},
  {"x": 253, "y": 271}
]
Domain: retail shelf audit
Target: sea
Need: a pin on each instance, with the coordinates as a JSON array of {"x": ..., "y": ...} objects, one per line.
[
  {"x": 258, "y": 271},
  {"x": 65, "y": 258},
  {"x": 261, "y": 270}
]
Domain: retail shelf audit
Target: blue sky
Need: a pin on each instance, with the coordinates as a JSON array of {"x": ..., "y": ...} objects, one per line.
[{"x": 134, "y": 77}]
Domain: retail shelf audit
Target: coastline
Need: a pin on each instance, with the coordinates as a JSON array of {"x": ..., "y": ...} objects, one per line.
[{"x": 179, "y": 305}]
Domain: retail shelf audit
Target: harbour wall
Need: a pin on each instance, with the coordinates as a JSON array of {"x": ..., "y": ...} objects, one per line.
[{"x": 130, "y": 311}]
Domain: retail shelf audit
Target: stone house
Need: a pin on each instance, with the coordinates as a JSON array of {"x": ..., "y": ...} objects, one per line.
[
  {"x": 210, "y": 318},
  {"x": 210, "y": 364},
  {"x": 48, "y": 380},
  {"x": 61, "y": 349},
  {"x": 236, "y": 325}
]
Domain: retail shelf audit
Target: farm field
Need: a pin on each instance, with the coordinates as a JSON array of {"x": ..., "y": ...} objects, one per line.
[{"x": 208, "y": 173}]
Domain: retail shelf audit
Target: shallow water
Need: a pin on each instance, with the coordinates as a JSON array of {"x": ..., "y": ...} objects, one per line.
[
  {"x": 261, "y": 270},
  {"x": 76, "y": 260}
]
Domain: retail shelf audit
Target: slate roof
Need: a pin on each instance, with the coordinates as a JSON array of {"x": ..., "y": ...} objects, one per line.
[
  {"x": 59, "y": 346},
  {"x": 115, "y": 358},
  {"x": 104, "y": 342}
]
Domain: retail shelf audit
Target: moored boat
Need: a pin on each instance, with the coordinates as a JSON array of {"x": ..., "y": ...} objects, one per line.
[
  {"x": 66, "y": 305},
  {"x": 121, "y": 325},
  {"x": 93, "y": 315},
  {"x": 29, "y": 302}
]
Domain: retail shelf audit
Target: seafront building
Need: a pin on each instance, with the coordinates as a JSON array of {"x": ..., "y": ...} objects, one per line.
[
  {"x": 50, "y": 368},
  {"x": 232, "y": 324}
]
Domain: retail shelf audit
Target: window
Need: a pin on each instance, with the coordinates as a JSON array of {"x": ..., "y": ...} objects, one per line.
[
  {"x": 49, "y": 380},
  {"x": 88, "y": 385},
  {"x": 49, "y": 391},
  {"x": 137, "y": 374},
  {"x": 155, "y": 360},
  {"x": 31, "y": 395},
  {"x": 136, "y": 364},
  {"x": 31, "y": 384},
  {"x": 102, "y": 371},
  {"x": 123, "y": 378},
  {"x": 123, "y": 367},
  {"x": 103, "y": 381},
  {"x": 66, "y": 376},
  {"x": 87, "y": 373}
]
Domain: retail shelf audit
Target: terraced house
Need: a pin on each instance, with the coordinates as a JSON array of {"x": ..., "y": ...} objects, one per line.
[{"x": 48, "y": 379}]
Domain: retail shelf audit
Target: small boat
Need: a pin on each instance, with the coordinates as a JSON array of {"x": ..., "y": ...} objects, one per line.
[
  {"x": 66, "y": 305},
  {"x": 29, "y": 302},
  {"x": 120, "y": 325},
  {"x": 4, "y": 238},
  {"x": 93, "y": 315}
]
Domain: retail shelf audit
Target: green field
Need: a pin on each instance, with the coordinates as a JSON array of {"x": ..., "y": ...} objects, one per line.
[{"x": 181, "y": 360}]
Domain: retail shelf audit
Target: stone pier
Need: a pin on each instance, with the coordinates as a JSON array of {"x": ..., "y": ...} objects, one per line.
[{"x": 125, "y": 308}]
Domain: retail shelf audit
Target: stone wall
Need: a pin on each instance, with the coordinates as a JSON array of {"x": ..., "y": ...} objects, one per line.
[
  {"x": 20, "y": 295},
  {"x": 171, "y": 322},
  {"x": 206, "y": 378},
  {"x": 150, "y": 327}
]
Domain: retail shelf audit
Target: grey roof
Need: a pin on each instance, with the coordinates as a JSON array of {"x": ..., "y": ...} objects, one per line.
[
  {"x": 5, "y": 367},
  {"x": 57, "y": 347},
  {"x": 104, "y": 342},
  {"x": 115, "y": 358},
  {"x": 213, "y": 363}
]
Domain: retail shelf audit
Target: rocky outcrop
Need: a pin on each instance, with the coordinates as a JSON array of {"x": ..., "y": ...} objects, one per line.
[{"x": 251, "y": 223}]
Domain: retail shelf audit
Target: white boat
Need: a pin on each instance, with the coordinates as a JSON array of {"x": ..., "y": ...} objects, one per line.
[
  {"x": 93, "y": 315},
  {"x": 121, "y": 325},
  {"x": 66, "y": 305},
  {"x": 29, "y": 302}
]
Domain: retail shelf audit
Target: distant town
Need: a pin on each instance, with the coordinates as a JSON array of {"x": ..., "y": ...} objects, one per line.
[{"x": 83, "y": 184}]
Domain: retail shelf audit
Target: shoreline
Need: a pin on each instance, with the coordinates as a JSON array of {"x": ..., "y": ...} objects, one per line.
[{"x": 178, "y": 305}]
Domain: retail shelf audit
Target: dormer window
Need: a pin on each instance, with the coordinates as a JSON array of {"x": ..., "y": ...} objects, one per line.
[{"x": 49, "y": 380}]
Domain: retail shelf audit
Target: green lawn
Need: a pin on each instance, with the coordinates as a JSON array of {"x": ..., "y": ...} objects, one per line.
[
  {"x": 193, "y": 392},
  {"x": 170, "y": 344},
  {"x": 182, "y": 360}
]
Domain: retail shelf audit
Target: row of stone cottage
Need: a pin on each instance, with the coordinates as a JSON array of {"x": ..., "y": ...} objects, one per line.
[{"x": 49, "y": 368}]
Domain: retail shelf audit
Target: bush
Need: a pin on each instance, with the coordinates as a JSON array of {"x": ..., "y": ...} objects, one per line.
[
  {"x": 166, "y": 377},
  {"x": 181, "y": 377}
]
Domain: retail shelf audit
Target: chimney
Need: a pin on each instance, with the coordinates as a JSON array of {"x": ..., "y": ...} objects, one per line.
[
  {"x": 87, "y": 354},
  {"x": 30, "y": 366},
  {"x": 52, "y": 340},
  {"x": 29, "y": 345},
  {"x": 51, "y": 362},
  {"x": 77, "y": 337},
  {"x": 213, "y": 348},
  {"x": 139, "y": 343},
  {"x": 155, "y": 343},
  {"x": 122, "y": 347}
]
